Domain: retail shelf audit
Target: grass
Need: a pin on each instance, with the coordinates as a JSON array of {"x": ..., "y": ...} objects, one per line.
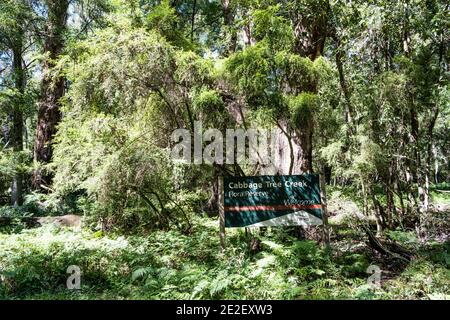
[
  {"x": 171, "y": 265},
  {"x": 440, "y": 197}
]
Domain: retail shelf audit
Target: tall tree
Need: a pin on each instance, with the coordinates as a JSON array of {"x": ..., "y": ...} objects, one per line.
[
  {"x": 15, "y": 21},
  {"x": 311, "y": 21},
  {"x": 17, "y": 127},
  {"x": 49, "y": 113}
]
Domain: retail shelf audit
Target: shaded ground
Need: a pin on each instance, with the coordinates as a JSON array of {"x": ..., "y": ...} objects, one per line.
[{"x": 170, "y": 265}]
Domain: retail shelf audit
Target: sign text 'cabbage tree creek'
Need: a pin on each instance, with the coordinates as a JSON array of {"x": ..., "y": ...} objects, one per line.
[{"x": 259, "y": 201}]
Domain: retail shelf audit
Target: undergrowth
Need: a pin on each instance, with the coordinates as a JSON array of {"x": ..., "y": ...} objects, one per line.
[{"x": 172, "y": 265}]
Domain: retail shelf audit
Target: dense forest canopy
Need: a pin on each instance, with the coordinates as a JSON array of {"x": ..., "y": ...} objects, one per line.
[{"x": 92, "y": 90}]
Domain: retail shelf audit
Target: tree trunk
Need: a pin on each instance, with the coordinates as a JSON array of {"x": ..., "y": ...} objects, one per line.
[
  {"x": 390, "y": 205},
  {"x": 52, "y": 90},
  {"x": 399, "y": 191},
  {"x": 17, "y": 126},
  {"x": 378, "y": 217},
  {"x": 390, "y": 208},
  {"x": 378, "y": 212},
  {"x": 304, "y": 141},
  {"x": 348, "y": 110},
  {"x": 410, "y": 170},
  {"x": 418, "y": 165},
  {"x": 365, "y": 200},
  {"x": 212, "y": 206},
  {"x": 309, "y": 42},
  {"x": 412, "y": 203},
  {"x": 425, "y": 195},
  {"x": 436, "y": 165}
]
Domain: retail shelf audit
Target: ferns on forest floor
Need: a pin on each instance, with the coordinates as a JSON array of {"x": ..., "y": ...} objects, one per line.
[{"x": 170, "y": 265}]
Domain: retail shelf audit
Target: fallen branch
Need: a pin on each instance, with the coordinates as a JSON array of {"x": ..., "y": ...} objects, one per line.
[{"x": 381, "y": 247}]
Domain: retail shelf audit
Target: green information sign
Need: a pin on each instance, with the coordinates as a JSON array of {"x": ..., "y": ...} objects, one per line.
[{"x": 272, "y": 201}]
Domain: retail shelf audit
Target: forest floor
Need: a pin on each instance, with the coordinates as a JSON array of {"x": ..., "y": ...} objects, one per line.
[{"x": 172, "y": 265}]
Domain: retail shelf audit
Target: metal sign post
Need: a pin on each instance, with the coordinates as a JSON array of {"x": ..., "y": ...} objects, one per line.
[{"x": 221, "y": 213}]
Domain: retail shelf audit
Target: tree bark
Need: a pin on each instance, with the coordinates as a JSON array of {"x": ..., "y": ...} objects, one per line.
[
  {"x": 310, "y": 40},
  {"x": 17, "y": 127},
  {"x": 390, "y": 205},
  {"x": 365, "y": 200},
  {"x": 399, "y": 193},
  {"x": 304, "y": 141},
  {"x": 52, "y": 90},
  {"x": 348, "y": 110},
  {"x": 310, "y": 36},
  {"x": 378, "y": 212}
]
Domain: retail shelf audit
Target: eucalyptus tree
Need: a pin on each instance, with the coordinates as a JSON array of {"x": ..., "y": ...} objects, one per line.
[
  {"x": 53, "y": 87},
  {"x": 18, "y": 27},
  {"x": 280, "y": 73}
]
